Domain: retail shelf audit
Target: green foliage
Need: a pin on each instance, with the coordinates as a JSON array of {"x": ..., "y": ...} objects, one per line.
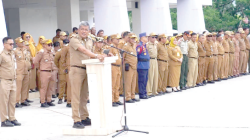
[
  {"x": 130, "y": 20},
  {"x": 223, "y": 14}
]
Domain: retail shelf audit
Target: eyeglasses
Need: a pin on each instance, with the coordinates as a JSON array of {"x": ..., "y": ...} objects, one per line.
[
  {"x": 154, "y": 37},
  {"x": 27, "y": 36},
  {"x": 50, "y": 45},
  {"x": 11, "y": 44}
]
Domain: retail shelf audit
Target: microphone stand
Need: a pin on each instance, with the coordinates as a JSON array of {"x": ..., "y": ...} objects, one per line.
[{"x": 125, "y": 127}]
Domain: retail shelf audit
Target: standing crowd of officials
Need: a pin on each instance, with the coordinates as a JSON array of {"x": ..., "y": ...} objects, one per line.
[{"x": 154, "y": 65}]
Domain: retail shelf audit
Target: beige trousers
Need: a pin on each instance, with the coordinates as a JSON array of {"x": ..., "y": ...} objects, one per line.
[
  {"x": 152, "y": 84},
  {"x": 192, "y": 72}
]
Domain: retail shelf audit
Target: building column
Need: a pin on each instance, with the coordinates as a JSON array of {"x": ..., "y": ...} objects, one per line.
[
  {"x": 68, "y": 14},
  {"x": 3, "y": 30},
  {"x": 155, "y": 16},
  {"x": 12, "y": 18},
  {"x": 190, "y": 16},
  {"x": 87, "y": 15},
  {"x": 111, "y": 16}
]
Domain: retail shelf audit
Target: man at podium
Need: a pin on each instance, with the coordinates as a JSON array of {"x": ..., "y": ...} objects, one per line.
[{"x": 81, "y": 48}]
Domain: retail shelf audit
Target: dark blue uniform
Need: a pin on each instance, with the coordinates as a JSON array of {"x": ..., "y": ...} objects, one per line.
[{"x": 142, "y": 69}]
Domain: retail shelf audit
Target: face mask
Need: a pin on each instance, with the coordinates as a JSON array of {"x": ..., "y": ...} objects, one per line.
[{"x": 222, "y": 35}]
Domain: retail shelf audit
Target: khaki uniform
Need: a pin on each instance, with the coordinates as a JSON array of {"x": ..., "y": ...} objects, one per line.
[
  {"x": 247, "y": 53},
  {"x": 174, "y": 54},
  {"x": 65, "y": 58},
  {"x": 61, "y": 75},
  {"x": 116, "y": 75},
  {"x": 120, "y": 46},
  {"x": 215, "y": 56},
  {"x": 231, "y": 57},
  {"x": 7, "y": 85},
  {"x": 242, "y": 55},
  {"x": 56, "y": 39},
  {"x": 225, "y": 44},
  {"x": 78, "y": 77},
  {"x": 201, "y": 63},
  {"x": 44, "y": 61},
  {"x": 209, "y": 60},
  {"x": 236, "y": 58},
  {"x": 152, "y": 84},
  {"x": 162, "y": 57},
  {"x": 221, "y": 66},
  {"x": 192, "y": 63},
  {"x": 61, "y": 43},
  {"x": 22, "y": 74},
  {"x": 130, "y": 76}
]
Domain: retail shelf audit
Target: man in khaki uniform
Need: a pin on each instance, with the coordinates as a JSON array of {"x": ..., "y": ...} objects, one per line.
[
  {"x": 152, "y": 84},
  {"x": 130, "y": 69},
  {"x": 215, "y": 56},
  {"x": 65, "y": 58},
  {"x": 201, "y": 60},
  {"x": 116, "y": 70},
  {"x": 221, "y": 53},
  {"x": 57, "y": 37},
  {"x": 44, "y": 61},
  {"x": 242, "y": 52},
  {"x": 225, "y": 44},
  {"x": 22, "y": 73},
  {"x": 209, "y": 58},
  {"x": 192, "y": 61},
  {"x": 8, "y": 84},
  {"x": 246, "y": 30},
  {"x": 80, "y": 49},
  {"x": 63, "y": 36},
  {"x": 231, "y": 56},
  {"x": 162, "y": 57}
]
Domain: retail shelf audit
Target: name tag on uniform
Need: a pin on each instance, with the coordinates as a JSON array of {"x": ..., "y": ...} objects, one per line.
[
  {"x": 46, "y": 60},
  {"x": 178, "y": 54}
]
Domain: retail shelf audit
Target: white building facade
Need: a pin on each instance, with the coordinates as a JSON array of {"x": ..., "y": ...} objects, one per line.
[{"x": 43, "y": 17}]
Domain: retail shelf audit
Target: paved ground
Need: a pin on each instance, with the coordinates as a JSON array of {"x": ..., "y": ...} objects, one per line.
[{"x": 218, "y": 111}]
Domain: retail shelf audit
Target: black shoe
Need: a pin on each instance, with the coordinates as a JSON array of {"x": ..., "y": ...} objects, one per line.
[
  {"x": 211, "y": 82},
  {"x": 57, "y": 94},
  {"x": 159, "y": 94},
  {"x": 224, "y": 79},
  {"x": 29, "y": 101},
  {"x": 30, "y": 91},
  {"x": 52, "y": 101},
  {"x": 25, "y": 104},
  {"x": 60, "y": 101},
  {"x": 149, "y": 96},
  {"x": 65, "y": 100},
  {"x": 50, "y": 104},
  {"x": 143, "y": 97},
  {"x": 53, "y": 96},
  {"x": 119, "y": 103},
  {"x": 7, "y": 123},
  {"x": 121, "y": 95},
  {"x": 114, "y": 104},
  {"x": 86, "y": 122},
  {"x": 16, "y": 123},
  {"x": 78, "y": 125},
  {"x": 130, "y": 101},
  {"x": 204, "y": 82},
  {"x": 187, "y": 87},
  {"x": 68, "y": 105},
  {"x": 183, "y": 88},
  {"x": 18, "y": 105},
  {"x": 136, "y": 100},
  {"x": 44, "y": 105},
  {"x": 88, "y": 101},
  {"x": 152, "y": 95},
  {"x": 200, "y": 84},
  {"x": 136, "y": 93},
  {"x": 33, "y": 90}
]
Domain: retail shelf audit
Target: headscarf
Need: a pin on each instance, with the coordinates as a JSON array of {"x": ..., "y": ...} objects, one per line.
[
  {"x": 172, "y": 42},
  {"x": 31, "y": 46},
  {"x": 39, "y": 46}
]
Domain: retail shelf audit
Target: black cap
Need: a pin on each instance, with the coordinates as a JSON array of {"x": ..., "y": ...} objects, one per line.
[
  {"x": 65, "y": 41},
  {"x": 186, "y": 33}
]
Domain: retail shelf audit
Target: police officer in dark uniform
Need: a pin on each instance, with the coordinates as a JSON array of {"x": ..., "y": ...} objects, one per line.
[{"x": 142, "y": 65}]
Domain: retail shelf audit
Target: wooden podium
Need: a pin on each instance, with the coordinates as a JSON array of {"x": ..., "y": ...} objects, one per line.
[{"x": 100, "y": 95}]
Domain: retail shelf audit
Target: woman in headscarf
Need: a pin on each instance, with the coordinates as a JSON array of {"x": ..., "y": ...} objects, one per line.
[
  {"x": 27, "y": 37},
  {"x": 39, "y": 46},
  {"x": 175, "y": 55}
]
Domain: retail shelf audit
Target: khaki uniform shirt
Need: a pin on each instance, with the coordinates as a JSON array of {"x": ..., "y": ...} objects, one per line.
[
  {"x": 242, "y": 44},
  {"x": 220, "y": 48},
  {"x": 192, "y": 49},
  {"x": 121, "y": 44},
  {"x": 152, "y": 49},
  {"x": 162, "y": 51},
  {"x": 247, "y": 43},
  {"x": 22, "y": 60},
  {"x": 225, "y": 45},
  {"x": 65, "y": 57},
  {"x": 61, "y": 43},
  {"x": 76, "y": 56},
  {"x": 59, "y": 63},
  {"x": 231, "y": 46},
  {"x": 116, "y": 52},
  {"x": 7, "y": 65},
  {"x": 44, "y": 60},
  {"x": 98, "y": 51},
  {"x": 132, "y": 60},
  {"x": 56, "y": 39},
  {"x": 201, "y": 49},
  {"x": 209, "y": 48}
]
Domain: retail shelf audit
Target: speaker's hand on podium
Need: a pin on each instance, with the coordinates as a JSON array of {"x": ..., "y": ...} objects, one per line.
[{"x": 101, "y": 57}]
